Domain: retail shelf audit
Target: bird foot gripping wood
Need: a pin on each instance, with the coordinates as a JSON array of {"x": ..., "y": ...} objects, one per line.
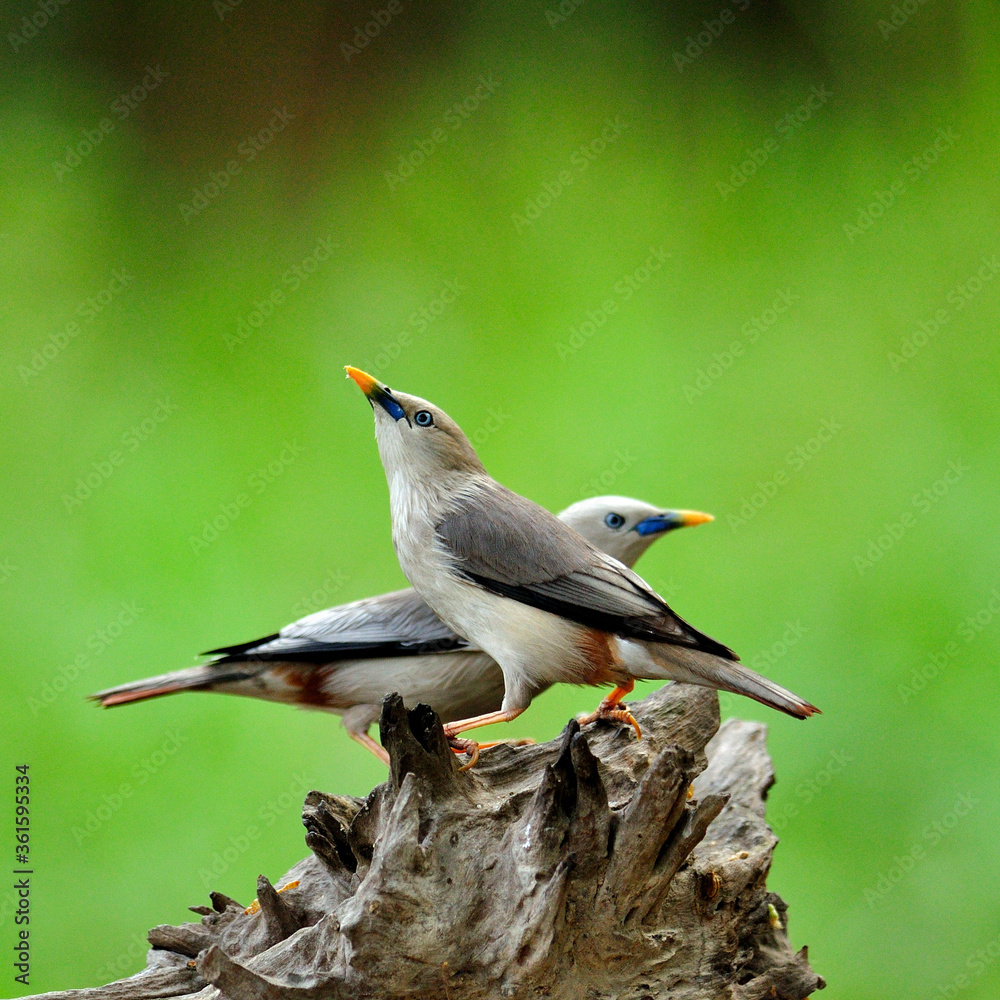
[
  {"x": 471, "y": 747},
  {"x": 460, "y": 745},
  {"x": 523, "y": 741},
  {"x": 618, "y": 714},
  {"x": 611, "y": 708}
]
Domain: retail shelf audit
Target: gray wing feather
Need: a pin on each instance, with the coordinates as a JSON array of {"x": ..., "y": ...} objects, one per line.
[
  {"x": 511, "y": 546},
  {"x": 395, "y": 624},
  {"x": 499, "y": 534},
  {"x": 401, "y": 616}
]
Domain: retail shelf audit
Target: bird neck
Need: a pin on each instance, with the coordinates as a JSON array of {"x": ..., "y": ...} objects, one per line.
[{"x": 424, "y": 498}]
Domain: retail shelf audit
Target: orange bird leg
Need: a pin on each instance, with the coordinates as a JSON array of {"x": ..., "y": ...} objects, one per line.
[
  {"x": 464, "y": 725},
  {"x": 471, "y": 747},
  {"x": 370, "y": 745},
  {"x": 452, "y": 729},
  {"x": 612, "y": 708}
]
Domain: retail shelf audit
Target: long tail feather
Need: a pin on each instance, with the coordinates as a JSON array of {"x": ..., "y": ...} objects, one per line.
[
  {"x": 662, "y": 661},
  {"x": 727, "y": 675},
  {"x": 191, "y": 679}
]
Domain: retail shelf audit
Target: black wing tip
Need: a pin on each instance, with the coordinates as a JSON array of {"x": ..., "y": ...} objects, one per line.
[
  {"x": 707, "y": 644},
  {"x": 322, "y": 653},
  {"x": 240, "y": 647}
]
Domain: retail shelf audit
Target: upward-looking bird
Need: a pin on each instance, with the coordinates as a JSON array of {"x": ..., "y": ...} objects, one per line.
[
  {"x": 544, "y": 602},
  {"x": 346, "y": 659}
]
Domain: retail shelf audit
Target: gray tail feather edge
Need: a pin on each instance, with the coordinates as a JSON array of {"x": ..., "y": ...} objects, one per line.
[
  {"x": 190, "y": 679},
  {"x": 737, "y": 679}
]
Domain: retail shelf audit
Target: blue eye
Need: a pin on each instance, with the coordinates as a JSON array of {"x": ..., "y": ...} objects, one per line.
[
  {"x": 423, "y": 418},
  {"x": 614, "y": 520}
]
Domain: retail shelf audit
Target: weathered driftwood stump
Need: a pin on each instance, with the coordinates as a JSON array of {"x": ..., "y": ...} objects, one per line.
[{"x": 579, "y": 868}]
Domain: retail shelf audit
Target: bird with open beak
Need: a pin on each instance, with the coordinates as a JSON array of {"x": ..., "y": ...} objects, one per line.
[
  {"x": 346, "y": 659},
  {"x": 510, "y": 577}
]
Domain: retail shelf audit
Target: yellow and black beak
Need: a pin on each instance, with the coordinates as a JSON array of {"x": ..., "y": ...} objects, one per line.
[
  {"x": 671, "y": 519},
  {"x": 376, "y": 393}
]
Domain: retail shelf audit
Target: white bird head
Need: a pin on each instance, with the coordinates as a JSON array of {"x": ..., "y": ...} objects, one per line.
[
  {"x": 415, "y": 438},
  {"x": 624, "y": 527}
]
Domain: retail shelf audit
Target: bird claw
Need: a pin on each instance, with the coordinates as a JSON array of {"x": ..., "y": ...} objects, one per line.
[
  {"x": 524, "y": 741},
  {"x": 616, "y": 713},
  {"x": 460, "y": 745}
]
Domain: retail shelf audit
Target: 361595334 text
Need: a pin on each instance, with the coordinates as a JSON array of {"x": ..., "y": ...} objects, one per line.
[{"x": 22, "y": 873}]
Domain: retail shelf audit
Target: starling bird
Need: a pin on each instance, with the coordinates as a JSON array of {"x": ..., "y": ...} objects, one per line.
[
  {"x": 524, "y": 586},
  {"x": 346, "y": 659}
]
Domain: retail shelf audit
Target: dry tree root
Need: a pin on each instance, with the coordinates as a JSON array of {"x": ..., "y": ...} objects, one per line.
[{"x": 578, "y": 868}]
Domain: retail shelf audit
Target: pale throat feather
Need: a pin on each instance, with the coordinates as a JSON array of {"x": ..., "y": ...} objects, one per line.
[{"x": 414, "y": 497}]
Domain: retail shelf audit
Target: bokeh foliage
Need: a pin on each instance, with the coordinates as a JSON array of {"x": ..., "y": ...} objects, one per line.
[{"x": 847, "y": 441}]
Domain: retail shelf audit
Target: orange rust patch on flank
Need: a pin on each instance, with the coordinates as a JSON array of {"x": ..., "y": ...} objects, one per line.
[
  {"x": 605, "y": 667},
  {"x": 309, "y": 682}
]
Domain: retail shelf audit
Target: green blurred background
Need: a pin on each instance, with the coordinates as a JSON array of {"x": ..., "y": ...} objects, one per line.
[{"x": 812, "y": 357}]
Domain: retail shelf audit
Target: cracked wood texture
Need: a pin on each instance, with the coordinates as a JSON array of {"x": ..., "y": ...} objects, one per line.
[{"x": 596, "y": 866}]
